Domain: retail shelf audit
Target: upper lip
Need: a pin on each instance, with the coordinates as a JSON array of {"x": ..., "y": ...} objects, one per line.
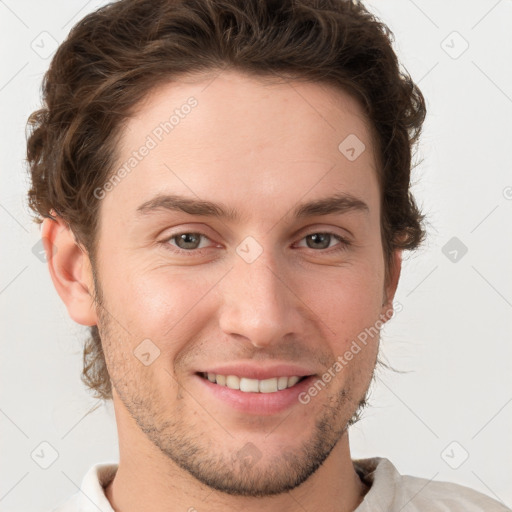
[{"x": 260, "y": 372}]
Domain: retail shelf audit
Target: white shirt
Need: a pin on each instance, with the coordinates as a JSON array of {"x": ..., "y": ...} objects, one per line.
[{"x": 389, "y": 492}]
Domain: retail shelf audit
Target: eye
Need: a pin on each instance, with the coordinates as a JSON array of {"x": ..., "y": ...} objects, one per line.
[
  {"x": 323, "y": 241},
  {"x": 189, "y": 242},
  {"x": 186, "y": 241}
]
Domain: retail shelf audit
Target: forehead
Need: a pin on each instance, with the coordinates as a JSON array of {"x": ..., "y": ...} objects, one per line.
[{"x": 236, "y": 138}]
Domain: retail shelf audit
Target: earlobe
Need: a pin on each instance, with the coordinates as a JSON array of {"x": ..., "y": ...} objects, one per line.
[{"x": 70, "y": 270}]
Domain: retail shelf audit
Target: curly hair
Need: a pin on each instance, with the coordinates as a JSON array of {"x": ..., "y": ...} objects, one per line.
[{"x": 116, "y": 55}]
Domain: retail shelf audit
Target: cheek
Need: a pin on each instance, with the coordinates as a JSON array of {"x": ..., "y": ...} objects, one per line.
[
  {"x": 347, "y": 300},
  {"x": 159, "y": 304}
]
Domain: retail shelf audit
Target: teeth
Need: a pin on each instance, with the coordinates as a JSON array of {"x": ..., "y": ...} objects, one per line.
[
  {"x": 253, "y": 385},
  {"x": 282, "y": 383},
  {"x": 249, "y": 385},
  {"x": 292, "y": 381},
  {"x": 268, "y": 385},
  {"x": 233, "y": 382}
]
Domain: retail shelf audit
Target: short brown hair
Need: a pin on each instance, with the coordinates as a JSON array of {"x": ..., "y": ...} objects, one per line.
[{"x": 114, "y": 56}]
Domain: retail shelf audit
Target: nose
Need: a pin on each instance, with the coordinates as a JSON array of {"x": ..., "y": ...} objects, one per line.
[{"x": 259, "y": 304}]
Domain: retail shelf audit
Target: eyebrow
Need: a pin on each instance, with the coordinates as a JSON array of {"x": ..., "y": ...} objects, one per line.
[{"x": 336, "y": 204}]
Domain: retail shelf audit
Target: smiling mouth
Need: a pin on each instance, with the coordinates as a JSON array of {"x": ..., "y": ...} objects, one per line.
[{"x": 246, "y": 385}]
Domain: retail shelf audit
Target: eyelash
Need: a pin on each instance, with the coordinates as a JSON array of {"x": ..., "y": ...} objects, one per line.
[{"x": 343, "y": 246}]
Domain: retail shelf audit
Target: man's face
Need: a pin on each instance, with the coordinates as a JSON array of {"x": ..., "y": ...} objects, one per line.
[{"x": 261, "y": 296}]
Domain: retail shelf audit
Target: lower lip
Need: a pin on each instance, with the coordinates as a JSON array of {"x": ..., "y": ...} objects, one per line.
[{"x": 262, "y": 404}]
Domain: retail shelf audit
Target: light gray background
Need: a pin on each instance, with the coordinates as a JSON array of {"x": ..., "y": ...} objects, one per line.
[{"x": 453, "y": 335}]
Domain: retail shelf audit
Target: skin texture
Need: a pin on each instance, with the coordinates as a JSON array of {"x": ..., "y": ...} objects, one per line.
[{"x": 260, "y": 149}]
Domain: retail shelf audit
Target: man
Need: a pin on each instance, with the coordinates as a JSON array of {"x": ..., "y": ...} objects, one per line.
[{"x": 225, "y": 187}]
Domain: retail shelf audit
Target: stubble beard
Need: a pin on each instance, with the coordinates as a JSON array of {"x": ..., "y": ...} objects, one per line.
[{"x": 234, "y": 473}]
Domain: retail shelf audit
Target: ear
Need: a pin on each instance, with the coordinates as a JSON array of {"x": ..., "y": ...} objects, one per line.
[
  {"x": 70, "y": 270},
  {"x": 391, "y": 284}
]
